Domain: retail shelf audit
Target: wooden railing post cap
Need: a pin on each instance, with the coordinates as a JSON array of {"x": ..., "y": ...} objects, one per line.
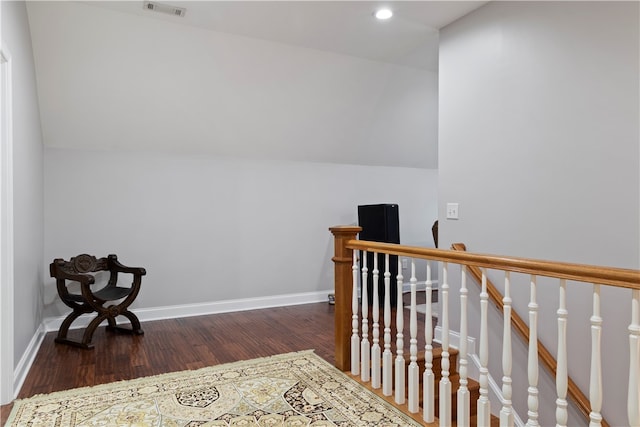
[{"x": 345, "y": 229}]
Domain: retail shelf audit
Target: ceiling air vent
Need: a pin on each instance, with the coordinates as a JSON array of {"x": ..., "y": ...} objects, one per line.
[{"x": 164, "y": 8}]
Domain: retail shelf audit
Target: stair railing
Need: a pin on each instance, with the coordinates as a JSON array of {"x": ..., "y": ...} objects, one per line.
[
  {"x": 348, "y": 315},
  {"x": 547, "y": 359}
]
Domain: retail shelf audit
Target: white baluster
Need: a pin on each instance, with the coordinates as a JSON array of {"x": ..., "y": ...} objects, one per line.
[
  {"x": 506, "y": 413},
  {"x": 532, "y": 367},
  {"x": 633, "y": 397},
  {"x": 595, "y": 384},
  {"x": 365, "y": 349},
  {"x": 387, "y": 356},
  {"x": 562, "y": 371},
  {"x": 413, "y": 345},
  {"x": 445, "y": 383},
  {"x": 463, "y": 392},
  {"x": 375, "y": 348},
  {"x": 428, "y": 378},
  {"x": 484, "y": 407},
  {"x": 400, "y": 371},
  {"x": 355, "y": 338}
]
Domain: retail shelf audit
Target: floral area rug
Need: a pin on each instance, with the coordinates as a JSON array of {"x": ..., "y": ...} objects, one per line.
[{"x": 294, "y": 389}]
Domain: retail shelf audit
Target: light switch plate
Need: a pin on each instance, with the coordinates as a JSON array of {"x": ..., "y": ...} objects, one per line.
[{"x": 452, "y": 211}]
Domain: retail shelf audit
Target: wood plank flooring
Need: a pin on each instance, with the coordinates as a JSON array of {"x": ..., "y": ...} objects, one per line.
[{"x": 179, "y": 344}]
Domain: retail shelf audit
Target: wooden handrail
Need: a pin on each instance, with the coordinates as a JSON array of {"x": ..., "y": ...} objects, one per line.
[
  {"x": 620, "y": 277},
  {"x": 521, "y": 327}
]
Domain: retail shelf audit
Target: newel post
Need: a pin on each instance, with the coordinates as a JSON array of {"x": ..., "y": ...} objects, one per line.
[{"x": 343, "y": 288}]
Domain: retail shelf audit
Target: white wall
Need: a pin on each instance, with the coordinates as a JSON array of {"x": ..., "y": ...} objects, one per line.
[
  {"x": 27, "y": 178},
  {"x": 167, "y": 142},
  {"x": 111, "y": 80},
  {"x": 214, "y": 228},
  {"x": 539, "y": 143},
  {"x": 173, "y": 143}
]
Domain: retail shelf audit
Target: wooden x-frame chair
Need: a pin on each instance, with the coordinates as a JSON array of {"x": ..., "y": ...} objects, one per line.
[{"x": 80, "y": 269}]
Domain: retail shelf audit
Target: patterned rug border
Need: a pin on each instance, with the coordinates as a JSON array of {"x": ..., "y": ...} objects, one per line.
[
  {"x": 73, "y": 392},
  {"x": 108, "y": 387}
]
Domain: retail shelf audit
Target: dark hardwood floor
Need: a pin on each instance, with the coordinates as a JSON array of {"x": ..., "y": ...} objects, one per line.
[
  {"x": 179, "y": 344},
  {"x": 187, "y": 343}
]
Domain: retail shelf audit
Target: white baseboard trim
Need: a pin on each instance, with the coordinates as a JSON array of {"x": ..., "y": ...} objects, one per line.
[
  {"x": 51, "y": 324},
  {"x": 202, "y": 309},
  {"x": 29, "y": 355},
  {"x": 495, "y": 391}
]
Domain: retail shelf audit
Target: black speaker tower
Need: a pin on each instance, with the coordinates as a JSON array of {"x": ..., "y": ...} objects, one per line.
[{"x": 380, "y": 223}]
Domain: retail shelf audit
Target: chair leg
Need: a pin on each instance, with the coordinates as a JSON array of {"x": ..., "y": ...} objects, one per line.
[
  {"x": 135, "y": 323},
  {"x": 88, "y": 333},
  {"x": 64, "y": 327},
  {"x": 112, "y": 323},
  {"x": 74, "y": 343},
  {"x": 135, "y": 329}
]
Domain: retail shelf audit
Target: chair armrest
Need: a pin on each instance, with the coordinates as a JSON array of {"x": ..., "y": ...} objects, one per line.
[{"x": 121, "y": 268}]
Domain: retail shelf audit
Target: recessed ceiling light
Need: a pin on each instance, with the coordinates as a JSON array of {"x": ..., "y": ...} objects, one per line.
[
  {"x": 164, "y": 8},
  {"x": 383, "y": 14}
]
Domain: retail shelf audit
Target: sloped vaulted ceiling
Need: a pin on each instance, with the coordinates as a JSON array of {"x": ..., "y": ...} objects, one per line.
[{"x": 309, "y": 81}]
